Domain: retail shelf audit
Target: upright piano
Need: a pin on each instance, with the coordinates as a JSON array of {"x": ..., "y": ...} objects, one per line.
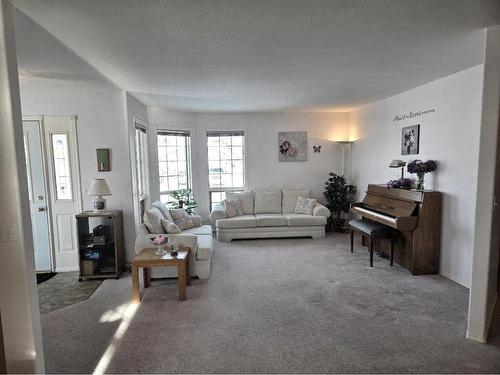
[{"x": 417, "y": 216}]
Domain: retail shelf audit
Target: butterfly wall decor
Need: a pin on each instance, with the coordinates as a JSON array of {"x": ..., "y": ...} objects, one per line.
[{"x": 317, "y": 148}]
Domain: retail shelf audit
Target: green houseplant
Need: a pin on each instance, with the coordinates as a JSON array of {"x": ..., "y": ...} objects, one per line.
[
  {"x": 183, "y": 198},
  {"x": 339, "y": 195}
]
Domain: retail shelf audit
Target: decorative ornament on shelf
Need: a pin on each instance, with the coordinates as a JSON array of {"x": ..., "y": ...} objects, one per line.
[
  {"x": 400, "y": 183},
  {"x": 420, "y": 168},
  {"x": 160, "y": 240}
]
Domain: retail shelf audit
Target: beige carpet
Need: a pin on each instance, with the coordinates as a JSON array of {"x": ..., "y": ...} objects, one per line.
[{"x": 297, "y": 305}]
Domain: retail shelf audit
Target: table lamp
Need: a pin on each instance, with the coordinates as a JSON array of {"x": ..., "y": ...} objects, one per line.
[
  {"x": 98, "y": 188},
  {"x": 396, "y": 163}
]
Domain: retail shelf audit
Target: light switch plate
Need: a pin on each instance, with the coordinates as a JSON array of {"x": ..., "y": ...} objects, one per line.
[{"x": 7, "y": 232}]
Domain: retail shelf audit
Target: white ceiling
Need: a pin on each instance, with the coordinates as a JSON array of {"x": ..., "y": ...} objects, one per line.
[{"x": 262, "y": 55}]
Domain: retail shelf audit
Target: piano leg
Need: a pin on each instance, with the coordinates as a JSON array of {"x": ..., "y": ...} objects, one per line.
[
  {"x": 371, "y": 251},
  {"x": 392, "y": 251},
  {"x": 352, "y": 241}
]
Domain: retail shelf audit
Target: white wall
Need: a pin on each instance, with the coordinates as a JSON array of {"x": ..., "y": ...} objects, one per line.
[
  {"x": 55, "y": 81},
  {"x": 450, "y": 135},
  {"x": 261, "y": 130}
]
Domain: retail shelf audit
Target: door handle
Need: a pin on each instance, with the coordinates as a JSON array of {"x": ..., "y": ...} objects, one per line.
[{"x": 41, "y": 209}]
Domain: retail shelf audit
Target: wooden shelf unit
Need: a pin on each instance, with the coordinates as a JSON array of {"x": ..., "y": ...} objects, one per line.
[{"x": 106, "y": 260}]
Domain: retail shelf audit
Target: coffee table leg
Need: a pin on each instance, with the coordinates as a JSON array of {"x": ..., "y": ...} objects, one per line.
[
  {"x": 181, "y": 271},
  {"x": 147, "y": 277},
  {"x": 136, "y": 288}
]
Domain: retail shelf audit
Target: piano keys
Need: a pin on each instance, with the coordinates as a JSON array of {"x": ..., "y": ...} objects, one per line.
[{"x": 417, "y": 216}]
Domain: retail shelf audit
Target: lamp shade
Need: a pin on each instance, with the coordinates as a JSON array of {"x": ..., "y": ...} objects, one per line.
[
  {"x": 99, "y": 187},
  {"x": 396, "y": 163}
]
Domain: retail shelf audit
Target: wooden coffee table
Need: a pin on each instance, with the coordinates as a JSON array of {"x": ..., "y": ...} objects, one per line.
[{"x": 147, "y": 259}]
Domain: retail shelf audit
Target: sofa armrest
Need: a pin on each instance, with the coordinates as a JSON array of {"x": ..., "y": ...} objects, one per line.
[
  {"x": 189, "y": 240},
  {"x": 142, "y": 230},
  {"x": 219, "y": 212},
  {"x": 196, "y": 219},
  {"x": 320, "y": 210}
]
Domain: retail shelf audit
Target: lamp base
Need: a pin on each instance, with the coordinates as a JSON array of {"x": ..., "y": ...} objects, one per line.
[{"x": 99, "y": 203}]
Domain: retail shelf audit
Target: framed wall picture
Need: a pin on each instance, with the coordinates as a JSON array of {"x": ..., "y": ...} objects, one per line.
[
  {"x": 292, "y": 146},
  {"x": 103, "y": 163},
  {"x": 410, "y": 139}
]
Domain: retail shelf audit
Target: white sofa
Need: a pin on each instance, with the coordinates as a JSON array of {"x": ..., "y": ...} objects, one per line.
[
  {"x": 269, "y": 214},
  {"x": 199, "y": 239}
]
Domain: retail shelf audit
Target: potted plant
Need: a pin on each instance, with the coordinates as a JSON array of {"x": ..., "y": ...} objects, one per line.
[
  {"x": 421, "y": 168},
  {"x": 183, "y": 198},
  {"x": 339, "y": 195}
]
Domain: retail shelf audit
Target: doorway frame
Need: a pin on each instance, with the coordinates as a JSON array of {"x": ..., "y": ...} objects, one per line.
[{"x": 50, "y": 185}]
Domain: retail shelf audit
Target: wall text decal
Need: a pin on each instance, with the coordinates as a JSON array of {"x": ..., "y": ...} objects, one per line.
[{"x": 412, "y": 114}]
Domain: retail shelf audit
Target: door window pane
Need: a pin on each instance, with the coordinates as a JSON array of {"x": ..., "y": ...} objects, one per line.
[{"x": 62, "y": 168}]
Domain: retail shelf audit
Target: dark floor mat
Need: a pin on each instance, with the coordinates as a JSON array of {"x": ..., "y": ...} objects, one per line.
[{"x": 42, "y": 277}]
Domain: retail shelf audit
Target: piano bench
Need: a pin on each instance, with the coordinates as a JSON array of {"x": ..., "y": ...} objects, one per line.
[{"x": 373, "y": 230}]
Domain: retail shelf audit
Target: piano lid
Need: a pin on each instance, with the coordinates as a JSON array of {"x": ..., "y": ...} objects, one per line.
[{"x": 390, "y": 202}]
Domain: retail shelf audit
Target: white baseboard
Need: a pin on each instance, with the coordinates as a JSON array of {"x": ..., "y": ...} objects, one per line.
[
  {"x": 476, "y": 338},
  {"x": 454, "y": 279}
]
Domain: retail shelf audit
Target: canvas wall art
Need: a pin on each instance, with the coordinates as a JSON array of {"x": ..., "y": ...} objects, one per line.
[
  {"x": 292, "y": 146},
  {"x": 410, "y": 137}
]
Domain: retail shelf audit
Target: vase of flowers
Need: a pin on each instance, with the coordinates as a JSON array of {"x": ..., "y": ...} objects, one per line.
[
  {"x": 160, "y": 240},
  {"x": 420, "y": 168},
  {"x": 401, "y": 183}
]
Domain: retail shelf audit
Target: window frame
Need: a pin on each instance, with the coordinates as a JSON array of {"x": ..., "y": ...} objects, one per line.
[
  {"x": 142, "y": 199},
  {"x": 220, "y": 133},
  {"x": 188, "y": 142}
]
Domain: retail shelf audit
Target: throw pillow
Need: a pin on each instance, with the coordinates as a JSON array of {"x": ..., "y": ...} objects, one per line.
[
  {"x": 233, "y": 207},
  {"x": 305, "y": 206},
  {"x": 163, "y": 209},
  {"x": 170, "y": 227},
  {"x": 152, "y": 221},
  {"x": 181, "y": 219}
]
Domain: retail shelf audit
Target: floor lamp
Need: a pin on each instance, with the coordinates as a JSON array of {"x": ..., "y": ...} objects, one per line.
[{"x": 345, "y": 144}]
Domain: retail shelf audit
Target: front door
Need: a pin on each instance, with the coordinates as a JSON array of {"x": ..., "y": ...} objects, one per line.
[
  {"x": 37, "y": 194},
  {"x": 64, "y": 181}
]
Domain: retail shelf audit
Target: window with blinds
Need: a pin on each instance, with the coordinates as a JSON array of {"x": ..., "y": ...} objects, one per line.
[
  {"x": 174, "y": 162},
  {"x": 226, "y": 163}
]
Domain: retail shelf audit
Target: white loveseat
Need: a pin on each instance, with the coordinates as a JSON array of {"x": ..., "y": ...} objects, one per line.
[
  {"x": 199, "y": 239},
  {"x": 269, "y": 214}
]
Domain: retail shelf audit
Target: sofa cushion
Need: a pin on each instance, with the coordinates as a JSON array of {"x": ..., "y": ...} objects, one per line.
[
  {"x": 181, "y": 219},
  {"x": 271, "y": 220},
  {"x": 163, "y": 209},
  {"x": 246, "y": 200},
  {"x": 268, "y": 202},
  {"x": 301, "y": 220},
  {"x": 289, "y": 199},
  {"x": 245, "y": 221},
  {"x": 205, "y": 246},
  {"x": 152, "y": 220},
  {"x": 170, "y": 227},
  {"x": 232, "y": 207},
  {"x": 203, "y": 230},
  {"x": 305, "y": 206}
]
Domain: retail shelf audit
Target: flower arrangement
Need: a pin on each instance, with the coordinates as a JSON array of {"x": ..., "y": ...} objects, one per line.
[
  {"x": 421, "y": 168},
  {"x": 418, "y": 166},
  {"x": 160, "y": 240},
  {"x": 401, "y": 183}
]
